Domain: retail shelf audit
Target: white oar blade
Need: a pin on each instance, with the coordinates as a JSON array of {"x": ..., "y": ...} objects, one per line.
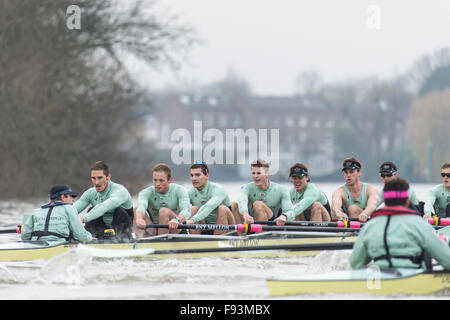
[{"x": 114, "y": 253}]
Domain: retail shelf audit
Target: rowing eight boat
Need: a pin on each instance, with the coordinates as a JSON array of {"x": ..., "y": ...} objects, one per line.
[
  {"x": 369, "y": 280},
  {"x": 266, "y": 244}
]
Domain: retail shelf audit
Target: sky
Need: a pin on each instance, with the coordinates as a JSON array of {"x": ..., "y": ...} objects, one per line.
[{"x": 270, "y": 42}]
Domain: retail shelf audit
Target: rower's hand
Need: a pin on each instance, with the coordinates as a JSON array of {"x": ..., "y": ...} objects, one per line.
[
  {"x": 139, "y": 233},
  {"x": 248, "y": 218},
  {"x": 426, "y": 216},
  {"x": 341, "y": 215},
  {"x": 363, "y": 217},
  {"x": 190, "y": 221},
  {"x": 140, "y": 223},
  {"x": 173, "y": 224},
  {"x": 281, "y": 220}
]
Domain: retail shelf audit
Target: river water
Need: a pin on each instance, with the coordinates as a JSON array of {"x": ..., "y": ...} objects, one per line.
[{"x": 76, "y": 275}]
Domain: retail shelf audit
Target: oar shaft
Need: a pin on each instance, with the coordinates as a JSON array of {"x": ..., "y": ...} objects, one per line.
[
  {"x": 435, "y": 221},
  {"x": 251, "y": 227},
  {"x": 10, "y": 230},
  {"x": 338, "y": 224},
  {"x": 238, "y": 227},
  {"x": 302, "y": 228},
  {"x": 290, "y": 247}
]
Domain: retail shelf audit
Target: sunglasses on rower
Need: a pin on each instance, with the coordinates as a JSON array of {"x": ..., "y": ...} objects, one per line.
[
  {"x": 386, "y": 175},
  {"x": 443, "y": 174}
]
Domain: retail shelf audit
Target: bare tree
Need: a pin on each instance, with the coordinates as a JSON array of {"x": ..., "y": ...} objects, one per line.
[
  {"x": 65, "y": 97},
  {"x": 308, "y": 83},
  {"x": 431, "y": 72},
  {"x": 428, "y": 124},
  {"x": 371, "y": 120}
]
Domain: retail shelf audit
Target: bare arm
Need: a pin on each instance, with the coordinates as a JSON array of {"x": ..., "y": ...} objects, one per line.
[
  {"x": 337, "y": 202},
  {"x": 373, "y": 197},
  {"x": 243, "y": 204},
  {"x": 143, "y": 199}
]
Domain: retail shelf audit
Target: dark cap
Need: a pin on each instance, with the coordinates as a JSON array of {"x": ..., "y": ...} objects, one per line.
[
  {"x": 298, "y": 171},
  {"x": 388, "y": 167},
  {"x": 351, "y": 164},
  {"x": 59, "y": 190}
]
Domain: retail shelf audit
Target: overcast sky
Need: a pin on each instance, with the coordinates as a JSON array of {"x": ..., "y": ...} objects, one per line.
[{"x": 270, "y": 42}]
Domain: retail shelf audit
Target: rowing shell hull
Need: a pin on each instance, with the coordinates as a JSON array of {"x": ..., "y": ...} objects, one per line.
[
  {"x": 24, "y": 251},
  {"x": 370, "y": 280}
]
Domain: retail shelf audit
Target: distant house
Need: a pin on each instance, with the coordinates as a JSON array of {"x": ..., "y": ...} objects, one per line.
[{"x": 305, "y": 127}]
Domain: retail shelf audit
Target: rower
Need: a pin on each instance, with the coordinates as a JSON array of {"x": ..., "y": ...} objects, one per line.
[
  {"x": 262, "y": 199},
  {"x": 57, "y": 220},
  {"x": 310, "y": 203},
  {"x": 396, "y": 236},
  {"x": 439, "y": 197},
  {"x": 111, "y": 212},
  {"x": 209, "y": 200},
  {"x": 162, "y": 202},
  {"x": 353, "y": 199},
  {"x": 388, "y": 172}
]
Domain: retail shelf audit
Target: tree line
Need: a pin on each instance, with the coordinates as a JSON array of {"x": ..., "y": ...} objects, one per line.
[
  {"x": 66, "y": 98},
  {"x": 403, "y": 119}
]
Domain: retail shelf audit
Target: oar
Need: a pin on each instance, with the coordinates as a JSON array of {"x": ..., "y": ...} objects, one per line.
[
  {"x": 16, "y": 230},
  {"x": 115, "y": 253},
  {"x": 337, "y": 224},
  {"x": 435, "y": 221},
  {"x": 232, "y": 227},
  {"x": 252, "y": 227},
  {"x": 290, "y": 247}
]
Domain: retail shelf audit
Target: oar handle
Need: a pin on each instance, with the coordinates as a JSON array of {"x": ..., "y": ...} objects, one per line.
[
  {"x": 17, "y": 230},
  {"x": 348, "y": 224},
  {"x": 436, "y": 221}
]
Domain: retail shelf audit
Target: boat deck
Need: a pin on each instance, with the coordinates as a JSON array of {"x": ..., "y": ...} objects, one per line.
[{"x": 172, "y": 245}]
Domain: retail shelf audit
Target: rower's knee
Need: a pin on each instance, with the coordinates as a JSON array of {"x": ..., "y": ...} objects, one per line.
[
  {"x": 165, "y": 213},
  {"x": 234, "y": 208},
  {"x": 235, "y": 212},
  {"x": 354, "y": 211},
  {"x": 316, "y": 206},
  {"x": 226, "y": 215},
  {"x": 261, "y": 211},
  {"x": 222, "y": 211}
]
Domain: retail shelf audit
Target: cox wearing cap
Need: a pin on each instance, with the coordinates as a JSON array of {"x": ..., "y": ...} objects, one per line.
[{"x": 61, "y": 191}]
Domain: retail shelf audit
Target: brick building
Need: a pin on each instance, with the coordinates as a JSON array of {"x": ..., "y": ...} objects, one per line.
[{"x": 305, "y": 128}]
